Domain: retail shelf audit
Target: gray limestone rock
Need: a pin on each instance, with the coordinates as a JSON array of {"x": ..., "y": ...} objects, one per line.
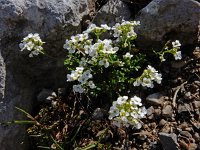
[
  {"x": 21, "y": 77},
  {"x": 168, "y": 141},
  {"x": 46, "y": 96},
  {"x": 112, "y": 12},
  {"x": 155, "y": 99},
  {"x": 169, "y": 20},
  {"x": 98, "y": 114}
]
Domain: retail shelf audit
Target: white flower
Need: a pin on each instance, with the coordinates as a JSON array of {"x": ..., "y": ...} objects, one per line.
[
  {"x": 83, "y": 62},
  {"x": 105, "y": 26},
  {"x": 78, "y": 88},
  {"x": 74, "y": 39},
  {"x": 158, "y": 78},
  {"x": 82, "y": 37},
  {"x": 136, "y": 23},
  {"x": 134, "y": 115},
  {"x": 147, "y": 82},
  {"x": 91, "y": 85},
  {"x": 178, "y": 56},
  {"x": 136, "y": 101},
  {"x": 83, "y": 79},
  {"x": 114, "y": 112},
  {"x": 30, "y": 45},
  {"x": 104, "y": 63},
  {"x": 131, "y": 34},
  {"x": 138, "y": 125},
  {"x": 21, "y": 46},
  {"x": 142, "y": 112},
  {"x": 87, "y": 74},
  {"x": 127, "y": 55},
  {"x": 137, "y": 82},
  {"x": 121, "y": 100},
  {"x": 69, "y": 46},
  {"x": 90, "y": 28},
  {"x": 162, "y": 58},
  {"x": 124, "y": 113},
  {"x": 35, "y": 52},
  {"x": 79, "y": 70},
  {"x": 117, "y": 122},
  {"x": 176, "y": 44},
  {"x": 151, "y": 69},
  {"x": 115, "y": 104},
  {"x": 75, "y": 74},
  {"x": 124, "y": 119}
]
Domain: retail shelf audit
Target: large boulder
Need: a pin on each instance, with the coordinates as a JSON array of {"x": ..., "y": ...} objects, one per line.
[
  {"x": 21, "y": 78},
  {"x": 163, "y": 20}
]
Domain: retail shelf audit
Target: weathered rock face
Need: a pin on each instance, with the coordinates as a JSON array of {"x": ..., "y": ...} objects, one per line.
[
  {"x": 113, "y": 11},
  {"x": 171, "y": 19},
  {"x": 22, "y": 77}
]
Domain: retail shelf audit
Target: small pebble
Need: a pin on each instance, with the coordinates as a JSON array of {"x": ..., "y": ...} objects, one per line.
[
  {"x": 153, "y": 125},
  {"x": 151, "y": 117},
  {"x": 184, "y": 108},
  {"x": 196, "y": 104},
  {"x": 166, "y": 129},
  {"x": 189, "y": 129},
  {"x": 162, "y": 122},
  {"x": 167, "y": 111},
  {"x": 157, "y": 112},
  {"x": 186, "y": 134},
  {"x": 150, "y": 111},
  {"x": 183, "y": 125},
  {"x": 192, "y": 146},
  {"x": 196, "y": 137},
  {"x": 192, "y": 140},
  {"x": 155, "y": 99},
  {"x": 183, "y": 144},
  {"x": 142, "y": 137},
  {"x": 98, "y": 114}
]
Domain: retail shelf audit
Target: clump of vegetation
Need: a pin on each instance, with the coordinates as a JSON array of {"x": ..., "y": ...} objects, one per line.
[{"x": 112, "y": 68}]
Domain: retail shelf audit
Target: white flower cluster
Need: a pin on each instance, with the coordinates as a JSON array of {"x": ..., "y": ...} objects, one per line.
[
  {"x": 97, "y": 53},
  {"x": 97, "y": 30},
  {"x": 77, "y": 43},
  {"x": 127, "y": 112},
  {"x": 174, "y": 51},
  {"x": 125, "y": 30},
  {"x": 128, "y": 55},
  {"x": 83, "y": 77},
  {"x": 32, "y": 43},
  {"x": 149, "y": 75},
  {"x": 104, "y": 53},
  {"x": 176, "y": 46}
]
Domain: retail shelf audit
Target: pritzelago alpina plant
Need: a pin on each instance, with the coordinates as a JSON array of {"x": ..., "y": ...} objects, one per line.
[
  {"x": 148, "y": 76},
  {"x": 174, "y": 51},
  {"x": 106, "y": 64},
  {"x": 127, "y": 112},
  {"x": 111, "y": 65},
  {"x": 32, "y": 43}
]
